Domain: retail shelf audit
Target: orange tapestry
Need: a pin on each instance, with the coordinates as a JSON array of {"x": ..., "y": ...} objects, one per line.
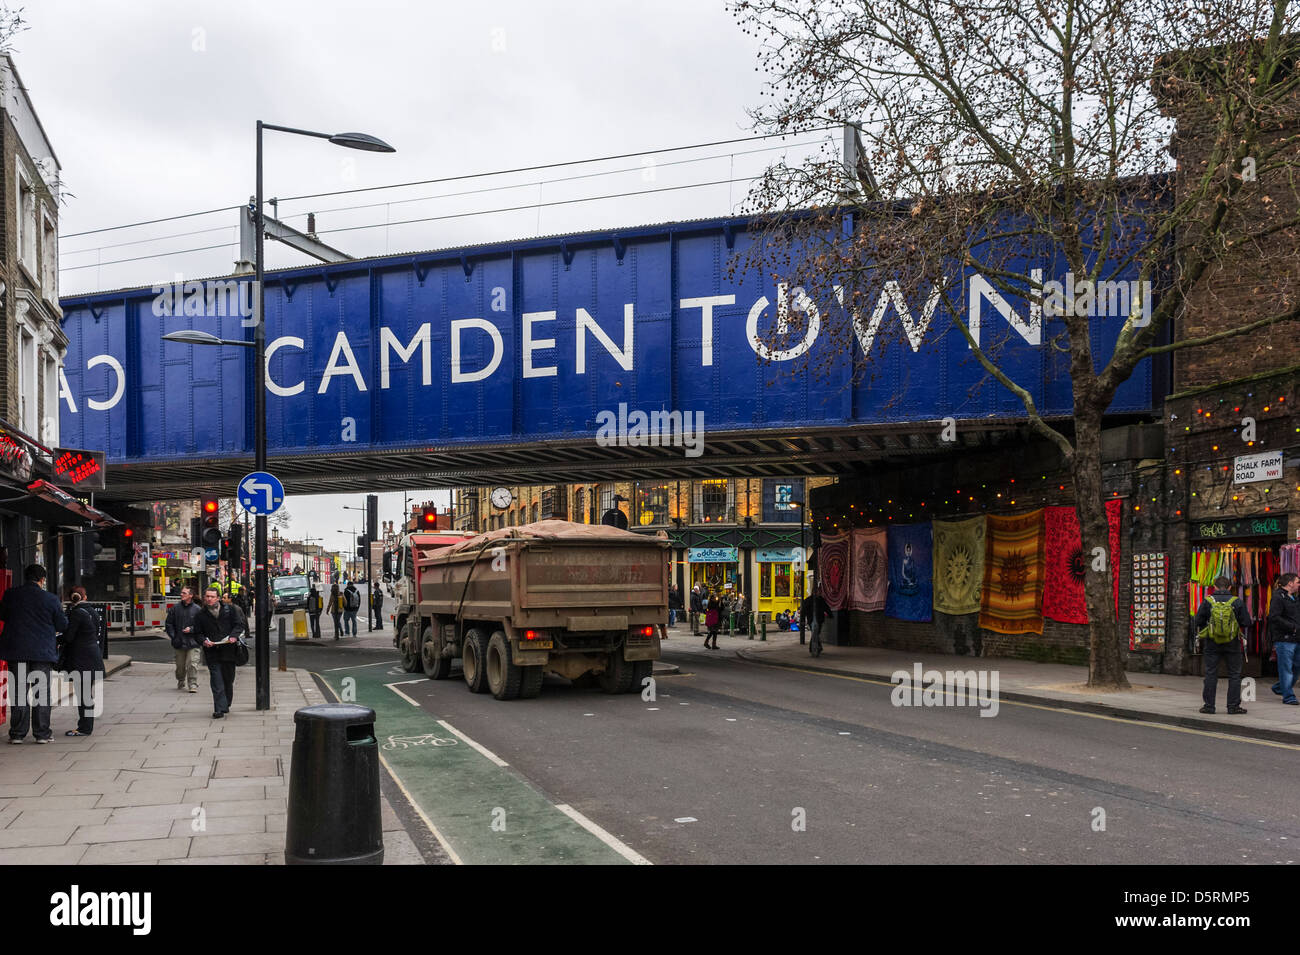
[{"x": 1014, "y": 569}]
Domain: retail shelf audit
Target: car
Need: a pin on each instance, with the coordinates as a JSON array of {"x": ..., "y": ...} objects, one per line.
[{"x": 289, "y": 592}]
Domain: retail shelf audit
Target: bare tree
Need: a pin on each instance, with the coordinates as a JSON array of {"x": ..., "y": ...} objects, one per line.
[{"x": 999, "y": 133}]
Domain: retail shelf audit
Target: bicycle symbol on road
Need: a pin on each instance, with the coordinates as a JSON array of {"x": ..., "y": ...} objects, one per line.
[{"x": 429, "y": 739}]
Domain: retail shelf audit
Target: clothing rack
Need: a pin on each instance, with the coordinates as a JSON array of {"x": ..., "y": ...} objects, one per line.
[{"x": 1253, "y": 572}]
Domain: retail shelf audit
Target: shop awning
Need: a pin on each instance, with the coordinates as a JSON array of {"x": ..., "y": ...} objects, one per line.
[{"x": 44, "y": 502}]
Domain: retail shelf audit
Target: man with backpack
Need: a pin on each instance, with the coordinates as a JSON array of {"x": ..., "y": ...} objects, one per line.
[
  {"x": 1219, "y": 622},
  {"x": 351, "y": 604}
]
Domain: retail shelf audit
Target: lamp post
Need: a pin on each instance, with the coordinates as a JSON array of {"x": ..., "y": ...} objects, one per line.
[
  {"x": 803, "y": 565},
  {"x": 260, "y": 595}
]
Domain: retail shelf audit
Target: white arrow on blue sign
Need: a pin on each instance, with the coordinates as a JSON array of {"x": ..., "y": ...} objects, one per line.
[{"x": 260, "y": 493}]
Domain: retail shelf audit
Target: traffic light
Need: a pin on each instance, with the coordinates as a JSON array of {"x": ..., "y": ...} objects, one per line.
[
  {"x": 429, "y": 517},
  {"x": 126, "y": 548},
  {"x": 363, "y": 545},
  {"x": 210, "y": 515},
  {"x": 235, "y": 547},
  {"x": 372, "y": 516}
]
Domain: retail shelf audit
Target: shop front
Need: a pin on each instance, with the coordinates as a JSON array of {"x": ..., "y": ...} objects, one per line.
[
  {"x": 780, "y": 580},
  {"x": 716, "y": 568}
]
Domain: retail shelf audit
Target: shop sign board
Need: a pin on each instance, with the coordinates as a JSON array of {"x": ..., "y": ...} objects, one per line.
[
  {"x": 1250, "y": 468},
  {"x": 777, "y": 555},
  {"x": 79, "y": 468},
  {"x": 711, "y": 555},
  {"x": 143, "y": 559},
  {"x": 1265, "y": 525}
]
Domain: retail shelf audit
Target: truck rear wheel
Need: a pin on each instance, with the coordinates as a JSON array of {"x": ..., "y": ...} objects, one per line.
[
  {"x": 531, "y": 683},
  {"x": 436, "y": 666},
  {"x": 474, "y": 660},
  {"x": 617, "y": 677},
  {"x": 640, "y": 670},
  {"x": 503, "y": 675},
  {"x": 411, "y": 661}
]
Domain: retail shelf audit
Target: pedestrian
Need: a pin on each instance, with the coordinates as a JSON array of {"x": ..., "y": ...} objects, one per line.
[
  {"x": 79, "y": 657},
  {"x": 1220, "y": 621},
  {"x": 314, "y": 607},
  {"x": 697, "y": 608},
  {"x": 182, "y": 629},
  {"x": 741, "y": 610},
  {"x": 614, "y": 517},
  {"x": 31, "y": 618},
  {"x": 674, "y": 604},
  {"x": 351, "y": 604},
  {"x": 336, "y": 608},
  {"x": 222, "y": 626},
  {"x": 712, "y": 620},
  {"x": 1284, "y": 631},
  {"x": 377, "y": 600}
]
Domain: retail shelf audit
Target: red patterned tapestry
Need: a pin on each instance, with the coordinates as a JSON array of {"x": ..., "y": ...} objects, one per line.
[
  {"x": 1067, "y": 567},
  {"x": 833, "y": 569},
  {"x": 870, "y": 570},
  {"x": 1114, "y": 514},
  {"x": 1012, "y": 600}
]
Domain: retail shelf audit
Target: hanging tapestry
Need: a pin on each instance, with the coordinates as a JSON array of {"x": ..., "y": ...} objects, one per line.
[
  {"x": 1068, "y": 566},
  {"x": 1012, "y": 600},
  {"x": 910, "y": 588},
  {"x": 833, "y": 569},
  {"x": 870, "y": 577},
  {"x": 958, "y": 565}
]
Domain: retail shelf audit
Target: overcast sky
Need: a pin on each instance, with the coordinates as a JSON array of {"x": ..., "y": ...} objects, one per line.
[{"x": 151, "y": 106}]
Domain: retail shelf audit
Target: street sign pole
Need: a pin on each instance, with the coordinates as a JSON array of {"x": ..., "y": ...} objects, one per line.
[{"x": 261, "y": 597}]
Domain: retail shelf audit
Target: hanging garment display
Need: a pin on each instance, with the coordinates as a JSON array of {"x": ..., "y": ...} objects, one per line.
[
  {"x": 833, "y": 569},
  {"x": 910, "y": 588},
  {"x": 1253, "y": 572},
  {"x": 1068, "y": 565},
  {"x": 958, "y": 565},
  {"x": 870, "y": 577},
  {"x": 1014, "y": 565},
  {"x": 1289, "y": 558}
]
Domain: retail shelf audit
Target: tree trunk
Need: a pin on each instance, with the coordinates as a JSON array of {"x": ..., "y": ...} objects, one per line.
[{"x": 1105, "y": 657}]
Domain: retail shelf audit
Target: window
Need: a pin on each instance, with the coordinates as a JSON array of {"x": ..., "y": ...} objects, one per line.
[
  {"x": 579, "y": 506},
  {"x": 651, "y": 504},
  {"x": 778, "y": 495},
  {"x": 536, "y": 513},
  {"x": 50, "y": 421},
  {"x": 26, "y": 225},
  {"x": 715, "y": 502},
  {"x": 606, "y": 498},
  {"x": 553, "y": 502},
  {"x": 26, "y": 379},
  {"x": 49, "y": 257}
]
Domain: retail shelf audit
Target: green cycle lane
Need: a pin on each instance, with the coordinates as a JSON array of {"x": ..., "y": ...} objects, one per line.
[{"x": 486, "y": 813}]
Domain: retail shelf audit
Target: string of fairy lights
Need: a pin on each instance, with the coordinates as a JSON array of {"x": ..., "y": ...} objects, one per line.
[{"x": 1154, "y": 497}]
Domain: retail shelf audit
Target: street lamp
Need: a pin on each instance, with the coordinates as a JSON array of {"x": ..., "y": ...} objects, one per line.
[
  {"x": 353, "y": 551},
  {"x": 262, "y": 649},
  {"x": 370, "y": 599},
  {"x": 803, "y": 563}
]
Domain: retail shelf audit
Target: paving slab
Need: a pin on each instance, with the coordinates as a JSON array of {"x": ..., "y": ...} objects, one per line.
[
  {"x": 152, "y": 850},
  {"x": 123, "y": 831},
  {"x": 248, "y": 859}
]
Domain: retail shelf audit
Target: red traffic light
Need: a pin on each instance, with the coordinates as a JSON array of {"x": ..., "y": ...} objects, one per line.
[
  {"x": 209, "y": 506},
  {"x": 429, "y": 515},
  {"x": 128, "y": 532}
]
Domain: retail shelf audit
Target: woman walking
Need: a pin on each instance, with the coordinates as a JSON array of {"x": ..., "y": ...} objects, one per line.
[
  {"x": 712, "y": 619},
  {"x": 81, "y": 660},
  {"x": 336, "y": 608}
]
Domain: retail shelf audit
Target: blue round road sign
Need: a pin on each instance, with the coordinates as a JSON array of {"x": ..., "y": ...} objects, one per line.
[{"x": 260, "y": 493}]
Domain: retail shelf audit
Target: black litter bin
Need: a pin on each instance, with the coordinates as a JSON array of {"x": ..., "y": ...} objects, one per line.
[{"x": 334, "y": 788}]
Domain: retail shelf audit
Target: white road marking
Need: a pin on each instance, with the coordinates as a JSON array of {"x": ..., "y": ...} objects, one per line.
[
  {"x": 446, "y": 846},
  {"x": 686, "y": 819},
  {"x": 383, "y": 663},
  {"x": 393, "y": 687},
  {"x": 626, "y": 851},
  {"x": 469, "y": 742},
  {"x": 731, "y": 719}
]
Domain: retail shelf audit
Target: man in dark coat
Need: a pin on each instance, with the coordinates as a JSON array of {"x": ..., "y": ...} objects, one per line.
[
  {"x": 221, "y": 625},
  {"x": 615, "y": 517},
  {"x": 31, "y": 618},
  {"x": 1229, "y": 653},
  {"x": 183, "y": 631},
  {"x": 1284, "y": 631},
  {"x": 377, "y": 599},
  {"x": 80, "y": 659}
]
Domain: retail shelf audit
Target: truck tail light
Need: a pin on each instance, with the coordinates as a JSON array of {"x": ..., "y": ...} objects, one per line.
[
  {"x": 647, "y": 631},
  {"x": 536, "y": 635}
]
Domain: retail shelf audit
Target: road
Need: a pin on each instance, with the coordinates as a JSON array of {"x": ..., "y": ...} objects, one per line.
[{"x": 734, "y": 762}]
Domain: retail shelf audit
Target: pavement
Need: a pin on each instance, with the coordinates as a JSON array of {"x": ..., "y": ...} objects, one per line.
[
  {"x": 1152, "y": 697},
  {"x": 160, "y": 781}
]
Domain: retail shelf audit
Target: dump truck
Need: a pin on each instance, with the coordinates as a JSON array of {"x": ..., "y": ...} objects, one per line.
[
  {"x": 412, "y": 547},
  {"x": 577, "y": 600}
]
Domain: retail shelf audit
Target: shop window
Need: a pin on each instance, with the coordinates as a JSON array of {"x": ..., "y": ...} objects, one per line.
[
  {"x": 778, "y": 495},
  {"x": 606, "y": 497},
  {"x": 765, "y": 580},
  {"x": 715, "y": 502},
  {"x": 553, "y": 501},
  {"x": 651, "y": 504}
]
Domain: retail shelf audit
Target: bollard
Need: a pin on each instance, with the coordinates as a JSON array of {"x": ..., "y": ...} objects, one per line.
[
  {"x": 750, "y": 629},
  {"x": 764, "y": 629},
  {"x": 334, "y": 788},
  {"x": 284, "y": 662}
]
